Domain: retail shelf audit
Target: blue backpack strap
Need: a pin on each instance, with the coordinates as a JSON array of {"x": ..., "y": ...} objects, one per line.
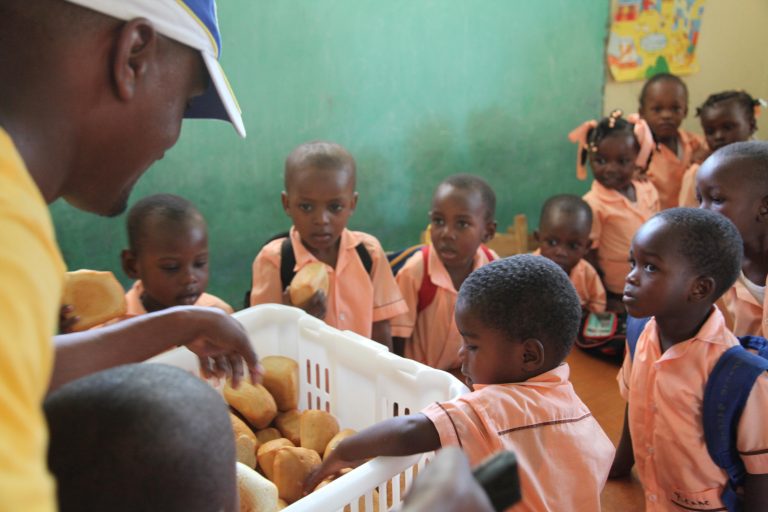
[
  {"x": 725, "y": 395},
  {"x": 635, "y": 328}
]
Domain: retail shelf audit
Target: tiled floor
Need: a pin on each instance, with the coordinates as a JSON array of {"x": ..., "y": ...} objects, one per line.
[{"x": 595, "y": 382}]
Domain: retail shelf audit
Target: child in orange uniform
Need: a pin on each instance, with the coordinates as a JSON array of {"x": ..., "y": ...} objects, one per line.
[
  {"x": 319, "y": 198},
  {"x": 167, "y": 255},
  {"x": 518, "y": 317},
  {"x": 726, "y": 117},
  {"x": 683, "y": 259},
  {"x": 615, "y": 149},
  {"x": 462, "y": 218},
  {"x": 664, "y": 105},
  {"x": 563, "y": 237},
  {"x": 734, "y": 182}
]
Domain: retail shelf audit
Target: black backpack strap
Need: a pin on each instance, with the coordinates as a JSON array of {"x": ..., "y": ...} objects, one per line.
[
  {"x": 287, "y": 263},
  {"x": 365, "y": 257}
]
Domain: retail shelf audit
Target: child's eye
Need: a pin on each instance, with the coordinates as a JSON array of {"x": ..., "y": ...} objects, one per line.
[
  {"x": 305, "y": 207},
  {"x": 625, "y": 161},
  {"x": 169, "y": 268},
  {"x": 335, "y": 207},
  {"x": 438, "y": 221},
  {"x": 575, "y": 246},
  {"x": 631, "y": 263},
  {"x": 552, "y": 242},
  {"x": 650, "y": 267},
  {"x": 599, "y": 160},
  {"x": 463, "y": 224},
  {"x": 201, "y": 264}
]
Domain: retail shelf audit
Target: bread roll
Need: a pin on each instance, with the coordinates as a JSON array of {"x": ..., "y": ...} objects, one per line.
[
  {"x": 240, "y": 428},
  {"x": 95, "y": 297},
  {"x": 281, "y": 378},
  {"x": 310, "y": 279},
  {"x": 316, "y": 429},
  {"x": 257, "y": 494},
  {"x": 245, "y": 450},
  {"x": 266, "y": 455},
  {"x": 252, "y": 401},
  {"x": 335, "y": 440},
  {"x": 291, "y": 468},
  {"x": 268, "y": 434},
  {"x": 288, "y": 425},
  {"x": 281, "y": 504}
]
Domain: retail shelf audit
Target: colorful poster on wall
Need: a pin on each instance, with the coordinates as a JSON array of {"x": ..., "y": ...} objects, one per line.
[{"x": 654, "y": 36}]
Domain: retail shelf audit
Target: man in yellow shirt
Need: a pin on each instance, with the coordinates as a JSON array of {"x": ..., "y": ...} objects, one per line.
[{"x": 91, "y": 95}]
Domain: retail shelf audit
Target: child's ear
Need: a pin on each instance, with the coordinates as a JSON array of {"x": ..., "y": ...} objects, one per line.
[
  {"x": 536, "y": 237},
  {"x": 763, "y": 211},
  {"x": 129, "y": 262},
  {"x": 353, "y": 205},
  {"x": 702, "y": 289},
  {"x": 284, "y": 200},
  {"x": 533, "y": 355},
  {"x": 490, "y": 230}
]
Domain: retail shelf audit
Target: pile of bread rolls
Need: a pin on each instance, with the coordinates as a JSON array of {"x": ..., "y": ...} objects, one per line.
[{"x": 272, "y": 436}]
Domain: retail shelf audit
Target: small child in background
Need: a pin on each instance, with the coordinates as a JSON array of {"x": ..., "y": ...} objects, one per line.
[
  {"x": 518, "y": 317},
  {"x": 461, "y": 220},
  {"x": 141, "y": 437},
  {"x": 734, "y": 182},
  {"x": 683, "y": 259},
  {"x": 319, "y": 198},
  {"x": 726, "y": 117},
  {"x": 664, "y": 105},
  {"x": 615, "y": 149},
  {"x": 167, "y": 255},
  {"x": 563, "y": 236}
]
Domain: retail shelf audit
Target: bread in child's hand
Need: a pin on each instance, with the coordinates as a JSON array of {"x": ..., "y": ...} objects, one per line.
[
  {"x": 316, "y": 429},
  {"x": 266, "y": 455},
  {"x": 310, "y": 279},
  {"x": 288, "y": 425},
  {"x": 281, "y": 378},
  {"x": 252, "y": 401},
  {"x": 95, "y": 297},
  {"x": 268, "y": 434},
  {"x": 291, "y": 468},
  {"x": 257, "y": 494},
  {"x": 335, "y": 440},
  {"x": 245, "y": 450}
]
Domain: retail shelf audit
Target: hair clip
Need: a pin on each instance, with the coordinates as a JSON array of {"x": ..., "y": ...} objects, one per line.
[
  {"x": 758, "y": 107},
  {"x": 579, "y": 136}
]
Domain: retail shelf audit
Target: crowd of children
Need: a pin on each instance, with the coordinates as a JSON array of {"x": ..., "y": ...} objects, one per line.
[{"x": 505, "y": 326}]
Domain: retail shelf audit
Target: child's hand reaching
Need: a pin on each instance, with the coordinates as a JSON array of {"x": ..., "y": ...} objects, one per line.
[
  {"x": 67, "y": 319},
  {"x": 331, "y": 466},
  {"x": 700, "y": 154},
  {"x": 317, "y": 305}
]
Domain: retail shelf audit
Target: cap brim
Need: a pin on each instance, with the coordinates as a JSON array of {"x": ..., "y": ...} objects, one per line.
[{"x": 218, "y": 102}]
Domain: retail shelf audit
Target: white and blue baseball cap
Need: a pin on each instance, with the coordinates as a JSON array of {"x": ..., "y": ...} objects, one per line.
[{"x": 193, "y": 23}]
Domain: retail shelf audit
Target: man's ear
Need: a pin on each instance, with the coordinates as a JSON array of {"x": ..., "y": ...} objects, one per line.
[
  {"x": 129, "y": 261},
  {"x": 490, "y": 230},
  {"x": 702, "y": 289},
  {"x": 136, "y": 46},
  {"x": 533, "y": 355}
]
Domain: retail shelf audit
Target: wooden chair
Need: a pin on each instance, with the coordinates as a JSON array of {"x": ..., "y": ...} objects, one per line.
[{"x": 515, "y": 241}]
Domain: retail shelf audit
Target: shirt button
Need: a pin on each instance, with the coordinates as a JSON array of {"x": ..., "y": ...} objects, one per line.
[
  {"x": 650, "y": 450},
  {"x": 652, "y": 498},
  {"x": 342, "y": 316}
]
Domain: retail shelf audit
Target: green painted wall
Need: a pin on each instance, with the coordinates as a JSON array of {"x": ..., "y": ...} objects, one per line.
[{"x": 415, "y": 89}]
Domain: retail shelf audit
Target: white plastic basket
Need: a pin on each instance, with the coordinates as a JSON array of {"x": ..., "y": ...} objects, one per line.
[{"x": 355, "y": 379}]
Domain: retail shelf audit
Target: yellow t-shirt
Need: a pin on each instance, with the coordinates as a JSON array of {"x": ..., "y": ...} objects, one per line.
[{"x": 31, "y": 281}]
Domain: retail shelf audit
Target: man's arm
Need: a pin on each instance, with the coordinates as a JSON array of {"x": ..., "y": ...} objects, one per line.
[
  {"x": 403, "y": 435},
  {"x": 220, "y": 342}
]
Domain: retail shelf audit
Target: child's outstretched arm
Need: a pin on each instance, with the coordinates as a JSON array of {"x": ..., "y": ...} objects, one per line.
[
  {"x": 625, "y": 457},
  {"x": 404, "y": 435},
  {"x": 756, "y": 493}
]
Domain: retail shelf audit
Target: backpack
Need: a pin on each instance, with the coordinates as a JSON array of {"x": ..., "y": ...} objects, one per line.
[
  {"x": 725, "y": 395},
  {"x": 603, "y": 334}
]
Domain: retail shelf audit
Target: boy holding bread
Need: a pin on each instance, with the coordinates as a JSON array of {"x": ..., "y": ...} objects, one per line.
[
  {"x": 518, "y": 317},
  {"x": 319, "y": 197}
]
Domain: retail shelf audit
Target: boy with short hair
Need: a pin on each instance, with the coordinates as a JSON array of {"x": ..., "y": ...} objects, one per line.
[
  {"x": 319, "y": 198},
  {"x": 734, "y": 182},
  {"x": 518, "y": 317},
  {"x": 167, "y": 255},
  {"x": 462, "y": 219},
  {"x": 563, "y": 236},
  {"x": 133, "y": 438},
  {"x": 683, "y": 259}
]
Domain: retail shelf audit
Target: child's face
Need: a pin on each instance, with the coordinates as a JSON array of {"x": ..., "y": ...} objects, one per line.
[
  {"x": 664, "y": 107},
  {"x": 487, "y": 355},
  {"x": 320, "y": 202},
  {"x": 459, "y": 225},
  {"x": 738, "y": 200},
  {"x": 725, "y": 123},
  {"x": 172, "y": 263},
  {"x": 564, "y": 239},
  {"x": 613, "y": 164},
  {"x": 661, "y": 280}
]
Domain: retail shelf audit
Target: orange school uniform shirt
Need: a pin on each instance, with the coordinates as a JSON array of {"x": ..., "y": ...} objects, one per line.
[
  {"x": 745, "y": 314},
  {"x": 562, "y": 453},
  {"x": 665, "y": 393},
  {"x": 434, "y": 338},
  {"x": 135, "y": 307},
  {"x": 588, "y": 285},
  {"x": 355, "y": 299},
  {"x": 615, "y": 219},
  {"x": 666, "y": 168},
  {"x": 687, "y": 196}
]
